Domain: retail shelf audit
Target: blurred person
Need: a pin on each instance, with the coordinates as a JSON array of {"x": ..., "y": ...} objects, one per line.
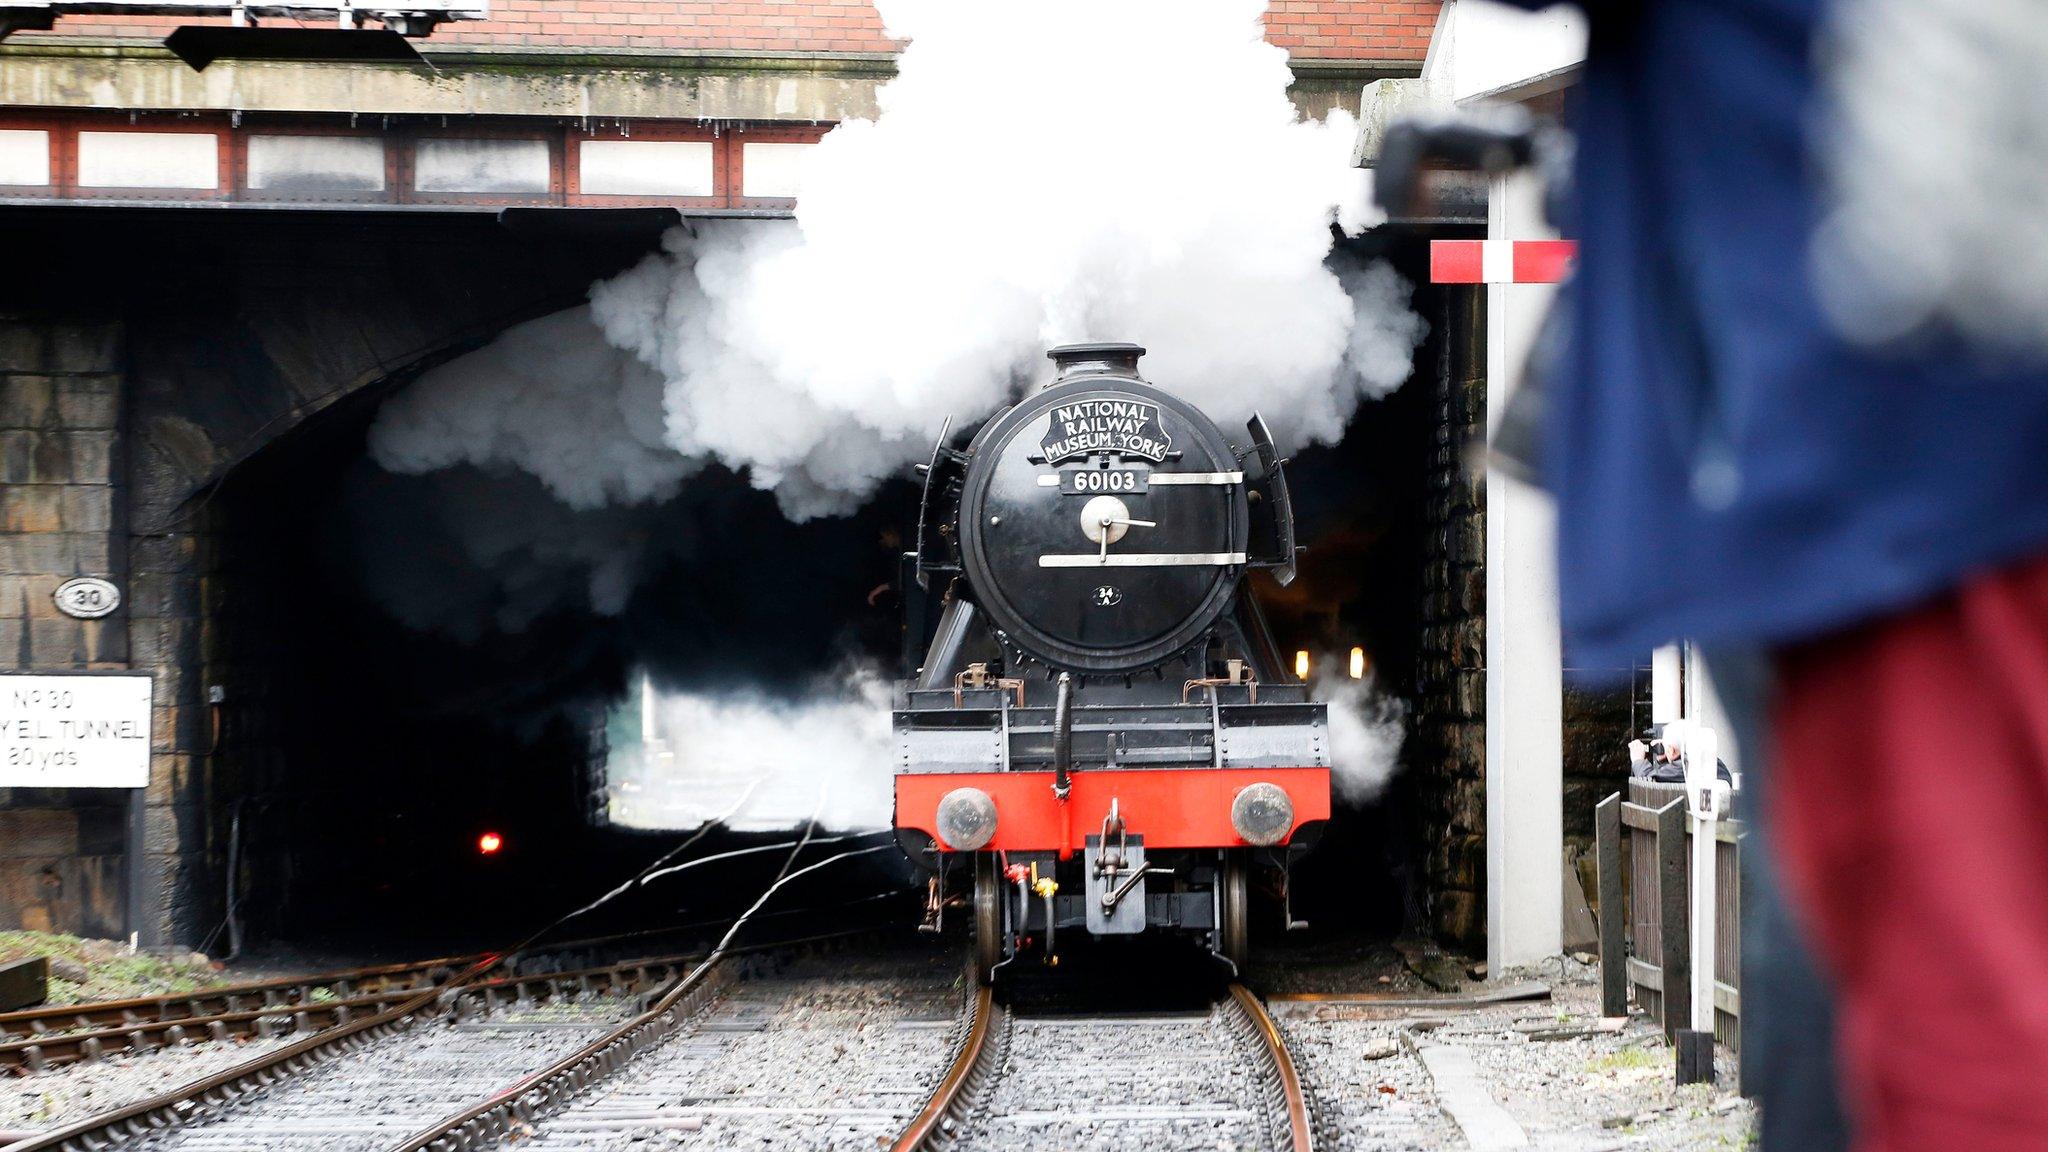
[
  {"x": 1663, "y": 761},
  {"x": 1771, "y": 431}
]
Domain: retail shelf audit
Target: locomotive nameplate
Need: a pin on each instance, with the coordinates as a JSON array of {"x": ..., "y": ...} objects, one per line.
[
  {"x": 1119, "y": 425},
  {"x": 1091, "y": 481}
]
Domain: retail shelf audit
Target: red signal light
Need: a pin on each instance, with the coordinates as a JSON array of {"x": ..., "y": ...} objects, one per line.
[{"x": 489, "y": 843}]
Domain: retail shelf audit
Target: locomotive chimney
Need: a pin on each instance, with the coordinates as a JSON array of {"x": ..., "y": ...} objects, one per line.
[{"x": 1111, "y": 359}]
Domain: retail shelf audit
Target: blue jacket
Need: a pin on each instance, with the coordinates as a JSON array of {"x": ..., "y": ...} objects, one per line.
[{"x": 1726, "y": 468}]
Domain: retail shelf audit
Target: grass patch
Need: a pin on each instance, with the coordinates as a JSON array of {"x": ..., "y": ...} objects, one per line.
[
  {"x": 1626, "y": 1058},
  {"x": 83, "y": 970}
]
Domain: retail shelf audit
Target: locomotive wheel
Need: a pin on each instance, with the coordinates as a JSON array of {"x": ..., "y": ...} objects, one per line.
[
  {"x": 1233, "y": 935},
  {"x": 988, "y": 917}
]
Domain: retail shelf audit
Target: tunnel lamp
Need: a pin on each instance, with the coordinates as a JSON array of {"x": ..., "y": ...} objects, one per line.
[
  {"x": 1301, "y": 664},
  {"x": 1358, "y": 663},
  {"x": 489, "y": 843}
]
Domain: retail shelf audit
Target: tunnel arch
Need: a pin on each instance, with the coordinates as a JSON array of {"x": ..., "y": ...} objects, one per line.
[{"x": 205, "y": 340}]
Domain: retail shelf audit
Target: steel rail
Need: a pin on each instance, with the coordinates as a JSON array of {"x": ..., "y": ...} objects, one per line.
[
  {"x": 951, "y": 1100},
  {"x": 54, "y": 1050},
  {"x": 37, "y": 1040},
  {"x": 45, "y": 1037},
  {"x": 1300, "y": 1130},
  {"x": 554, "y": 1087},
  {"x": 185, "y": 1102},
  {"x": 270, "y": 994}
]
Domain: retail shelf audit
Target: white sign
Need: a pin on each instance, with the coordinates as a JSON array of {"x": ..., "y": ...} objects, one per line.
[
  {"x": 87, "y": 597},
  {"x": 74, "y": 731}
]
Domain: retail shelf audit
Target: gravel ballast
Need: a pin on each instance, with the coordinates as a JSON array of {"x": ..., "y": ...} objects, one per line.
[
  {"x": 1569, "y": 1081},
  {"x": 51, "y": 1099}
]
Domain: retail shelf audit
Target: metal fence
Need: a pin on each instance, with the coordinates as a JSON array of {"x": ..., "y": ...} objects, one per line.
[{"x": 1645, "y": 859}]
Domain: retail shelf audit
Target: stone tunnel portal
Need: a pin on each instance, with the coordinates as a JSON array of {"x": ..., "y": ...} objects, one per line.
[{"x": 347, "y": 763}]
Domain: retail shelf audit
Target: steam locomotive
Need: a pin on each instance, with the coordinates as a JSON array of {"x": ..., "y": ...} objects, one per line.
[{"x": 1102, "y": 733}]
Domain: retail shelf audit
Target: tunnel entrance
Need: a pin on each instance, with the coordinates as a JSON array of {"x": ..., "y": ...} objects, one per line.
[
  {"x": 399, "y": 666},
  {"x": 391, "y": 694}
]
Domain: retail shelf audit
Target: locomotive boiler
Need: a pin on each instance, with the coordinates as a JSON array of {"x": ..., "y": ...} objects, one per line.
[{"x": 1103, "y": 737}]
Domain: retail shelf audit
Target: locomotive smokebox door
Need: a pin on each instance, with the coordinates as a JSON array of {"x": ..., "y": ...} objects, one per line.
[
  {"x": 1124, "y": 883},
  {"x": 1102, "y": 520}
]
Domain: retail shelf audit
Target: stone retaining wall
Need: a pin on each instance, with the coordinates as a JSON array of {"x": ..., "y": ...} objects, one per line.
[{"x": 62, "y": 514}]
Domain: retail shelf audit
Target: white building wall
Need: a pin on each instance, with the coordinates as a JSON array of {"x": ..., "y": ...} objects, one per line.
[{"x": 1481, "y": 46}]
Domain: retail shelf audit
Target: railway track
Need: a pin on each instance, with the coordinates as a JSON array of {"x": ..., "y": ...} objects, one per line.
[
  {"x": 300, "y": 1066},
  {"x": 1220, "y": 1078},
  {"x": 848, "y": 1048},
  {"x": 37, "y": 1039},
  {"x": 832, "y": 1052}
]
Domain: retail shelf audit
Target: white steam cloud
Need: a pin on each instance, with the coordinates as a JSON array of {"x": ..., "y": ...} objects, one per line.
[
  {"x": 1366, "y": 730},
  {"x": 549, "y": 397},
  {"x": 1038, "y": 174},
  {"x": 1165, "y": 190},
  {"x": 826, "y": 756}
]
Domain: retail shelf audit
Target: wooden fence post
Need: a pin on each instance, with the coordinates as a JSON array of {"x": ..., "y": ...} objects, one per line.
[
  {"x": 1675, "y": 900},
  {"x": 1613, "y": 915}
]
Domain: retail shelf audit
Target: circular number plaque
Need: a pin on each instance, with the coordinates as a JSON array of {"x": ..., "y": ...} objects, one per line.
[{"x": 87, "y": 597}]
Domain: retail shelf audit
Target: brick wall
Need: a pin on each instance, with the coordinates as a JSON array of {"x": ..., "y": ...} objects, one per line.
[
  {"x": 1310, "y": 29},
  {"x": 61, "y": 510}
]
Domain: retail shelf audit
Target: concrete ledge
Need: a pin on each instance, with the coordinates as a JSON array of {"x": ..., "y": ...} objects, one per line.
[
  {"x": 128, "y": 76},
  {"x": 1381, "y": 103},
  {"x": 1462, "y": 1093},
  {"x": 476, "y": 80}
]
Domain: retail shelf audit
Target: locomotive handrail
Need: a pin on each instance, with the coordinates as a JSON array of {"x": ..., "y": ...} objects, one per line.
[{"x": 1063, "y": 736}]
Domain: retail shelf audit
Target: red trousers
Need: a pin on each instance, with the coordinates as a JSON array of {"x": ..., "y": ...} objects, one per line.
[{"x": 1911, "y": 793}]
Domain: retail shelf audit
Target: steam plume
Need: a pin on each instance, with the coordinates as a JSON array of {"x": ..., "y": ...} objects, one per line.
[
  {"x": 1164, "y": 190},
  {"x": 704, "y": 752},
  {"x": 547, "y": 397},
  {"x": 1161, "y": 188},
  {"x": 1366, "y": 729}
]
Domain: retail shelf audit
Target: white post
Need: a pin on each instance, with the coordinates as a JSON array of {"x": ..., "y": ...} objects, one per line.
[
  {"x": 1706, "y": 813},
  {"x": 1705, "y": 796},
  {"x": 1524, "y": 667},
  {"x": 1667, "y": 701}
]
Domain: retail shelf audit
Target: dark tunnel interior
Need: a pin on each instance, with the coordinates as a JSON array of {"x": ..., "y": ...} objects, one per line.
[{"x": 363, "y": 759}]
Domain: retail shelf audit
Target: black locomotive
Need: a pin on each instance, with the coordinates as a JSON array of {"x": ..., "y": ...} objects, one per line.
[{"x": 1102, "y": 730}]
